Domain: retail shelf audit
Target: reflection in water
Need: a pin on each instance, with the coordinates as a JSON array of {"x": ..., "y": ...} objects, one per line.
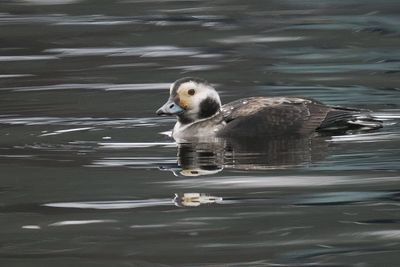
[
  {"x": 324, "y": 251},
  {"x": 105, "y": 205},
  {"x": 206, "y": 158},
  {"x": 195, "y": 199},
  {"x": 179, "y": 200}
]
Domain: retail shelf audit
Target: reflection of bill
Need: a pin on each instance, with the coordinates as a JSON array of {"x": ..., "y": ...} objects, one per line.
[
  {"x": 209, "y": 158},
  {"x": 195, "y": 199}
]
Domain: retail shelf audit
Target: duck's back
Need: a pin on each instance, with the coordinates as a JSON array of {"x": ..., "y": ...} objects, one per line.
[{"x": 278, "y": 116}]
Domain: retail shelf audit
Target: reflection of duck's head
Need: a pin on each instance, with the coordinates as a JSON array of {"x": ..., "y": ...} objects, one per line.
[
  {"x": 191, "y": 99},
  {"x": 195, "y": 199}
]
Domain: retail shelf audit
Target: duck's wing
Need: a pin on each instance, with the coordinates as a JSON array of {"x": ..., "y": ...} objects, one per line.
[
  {"x": 272, "y": 116},
  {"x": 277, "y": 116}
]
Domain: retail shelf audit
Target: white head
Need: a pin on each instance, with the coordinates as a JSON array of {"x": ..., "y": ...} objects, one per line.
[{"x": 191, "y": 99}]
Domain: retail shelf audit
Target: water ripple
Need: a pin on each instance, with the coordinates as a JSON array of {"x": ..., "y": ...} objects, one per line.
[
  {"x": 393, "y": 234},
  {"x": 6, "y": 76},
  {"x": 207, "y": 21},
  {"x": 386, "y": 25},
  {"x": 27, "y": 58},
  {"x": 278, "y": 181},
  {"x": 134, "y": 162},
  {"x": 258, "y": 39},
  {"x": 120, "y": 145},
  {"x": 92, "y": 86},
  {"x": 50, "y": 2},
  {"x": 81, "y": 222},
  {"x": 120, "y": 204},
  {"x": 67, "y": 131},
  {"x": 335, "y": 68},
  {"x": 366, "y": 137},
  {"x": 142, "y": 51},
  {"x": 85, "y": 121}
]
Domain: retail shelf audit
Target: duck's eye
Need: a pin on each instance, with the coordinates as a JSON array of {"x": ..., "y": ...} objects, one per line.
[{"x": 191, "y": 91}]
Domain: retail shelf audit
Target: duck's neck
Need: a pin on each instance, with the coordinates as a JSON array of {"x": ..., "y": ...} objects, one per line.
[
  {"x": 184, "y": 120},
  {"x": 202, "y": 127}
]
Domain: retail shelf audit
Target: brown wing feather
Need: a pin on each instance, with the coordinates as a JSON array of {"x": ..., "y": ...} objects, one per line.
[{"x": 272, "y": 116}]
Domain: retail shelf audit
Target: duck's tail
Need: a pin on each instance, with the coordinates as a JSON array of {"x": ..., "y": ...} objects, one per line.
[
  {"x": 366, "y": 122},
  {"x": 346, "y": 119}
]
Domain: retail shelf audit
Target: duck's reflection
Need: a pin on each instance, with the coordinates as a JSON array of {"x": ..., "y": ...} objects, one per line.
[
  {"x": 195, "y": 199},
  {"x": 211, "y": 157}
]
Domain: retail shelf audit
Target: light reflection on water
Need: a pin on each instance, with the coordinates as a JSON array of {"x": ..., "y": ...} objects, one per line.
[{"x": 89, "y": 175}]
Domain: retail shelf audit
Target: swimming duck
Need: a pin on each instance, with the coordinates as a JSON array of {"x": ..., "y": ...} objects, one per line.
[{"x": 199, "y": 113}]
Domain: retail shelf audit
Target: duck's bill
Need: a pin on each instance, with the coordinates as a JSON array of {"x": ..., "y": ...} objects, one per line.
[{"x": 170, "y": 108}]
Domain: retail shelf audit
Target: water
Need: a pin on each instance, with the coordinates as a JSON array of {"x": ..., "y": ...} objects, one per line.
[{"x": 89, "y": 179}]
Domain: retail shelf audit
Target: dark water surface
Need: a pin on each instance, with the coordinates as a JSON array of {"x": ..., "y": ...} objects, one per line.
[{"x": 88, "y": 178}]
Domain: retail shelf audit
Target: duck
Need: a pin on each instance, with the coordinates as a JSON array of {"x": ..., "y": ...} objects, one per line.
[{"x": 200, "y": 113}]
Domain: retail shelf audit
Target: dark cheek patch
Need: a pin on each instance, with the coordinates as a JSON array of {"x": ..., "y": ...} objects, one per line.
[{"x": 208, "y": 107}]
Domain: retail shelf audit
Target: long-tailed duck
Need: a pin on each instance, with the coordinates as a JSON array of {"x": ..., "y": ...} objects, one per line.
[{"x": 200, "y": 114}]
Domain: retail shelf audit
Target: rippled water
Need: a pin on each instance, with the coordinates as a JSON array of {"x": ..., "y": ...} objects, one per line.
[{"x": 89, "y": 176}]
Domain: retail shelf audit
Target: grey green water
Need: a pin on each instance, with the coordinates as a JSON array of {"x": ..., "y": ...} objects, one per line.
[{"x": 87, "y": 177}]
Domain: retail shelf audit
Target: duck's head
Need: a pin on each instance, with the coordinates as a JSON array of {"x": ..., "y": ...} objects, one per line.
[{"x": 191, "y": 99}]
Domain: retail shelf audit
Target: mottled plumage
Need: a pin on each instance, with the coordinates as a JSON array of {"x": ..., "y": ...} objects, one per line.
[{"x": 200, "y": 114}]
